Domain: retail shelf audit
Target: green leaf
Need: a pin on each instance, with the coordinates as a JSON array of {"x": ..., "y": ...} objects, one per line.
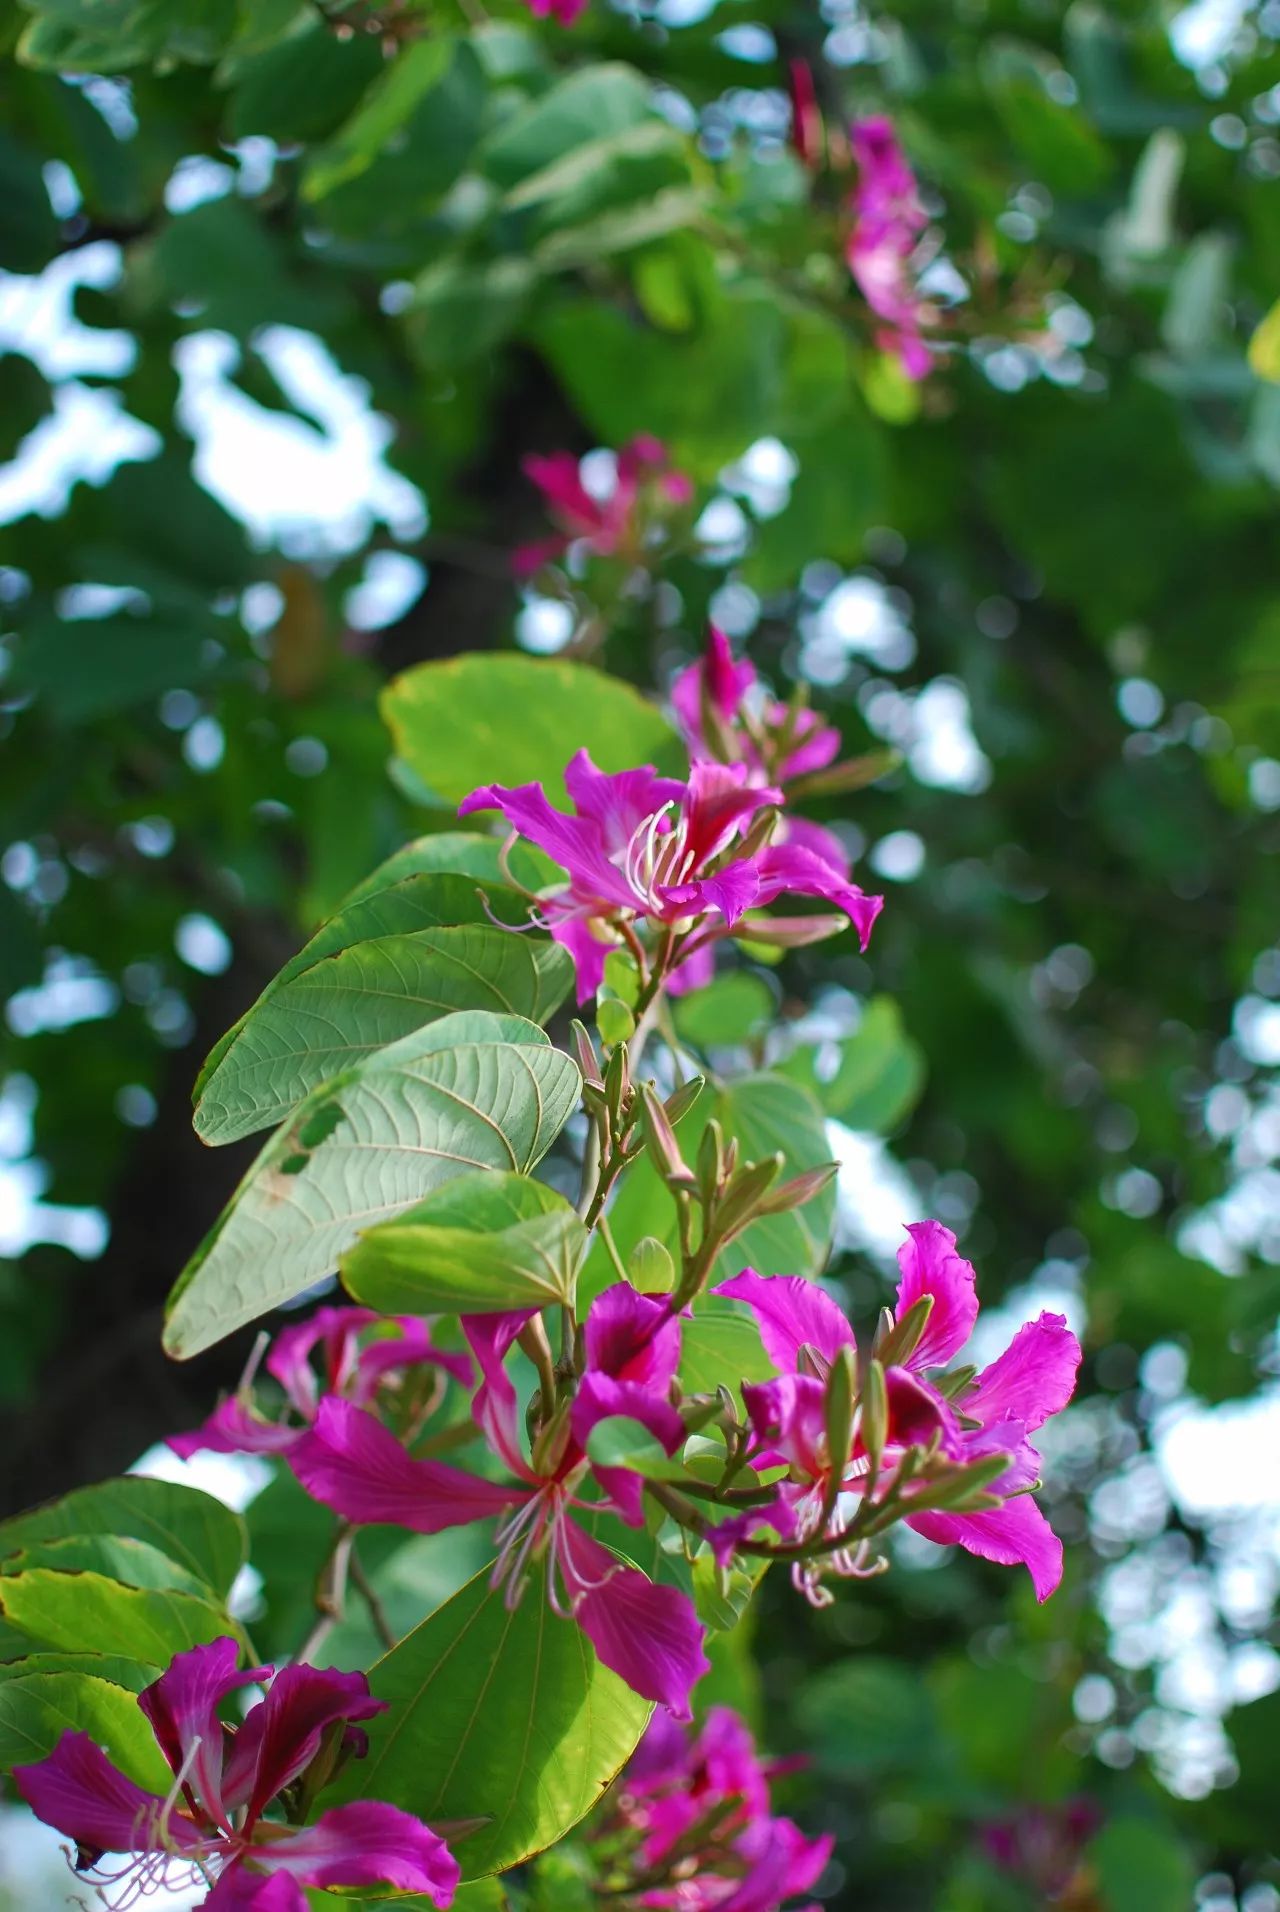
[
  {"x": 866, "y": 1716},
  {"x": 462, "y": 308},
  {"x": 66, "y": 1609},
  {"x": 1141, "y": 1867},
  {"x": 480, "y": 1244},
  {"x": 618, "y": 1441},
  {"x": 1264, "y": 346},
  {"x": 720, "y": 1348},
  {"x": 191, "y": 1528},
  {"x": 321, "y": 1020},
  {"x": 108, "y": 36},
  {"x": 394, "y": 96},
  {"x": 470, "y": 1091},
  {"x": 458, "y": 722},
  {"x": 114, "y": 1668},
  {"x": 567, "y": 117},
  {"x": 879, "y": 1075},
  {"x": 134, "y": 1563},
  {"x": 729, "y": 1011},
  {"x": 89, "y": 667},
  {"x": 501, "y": 1713},
  {"x": 35, "y": 1711}
]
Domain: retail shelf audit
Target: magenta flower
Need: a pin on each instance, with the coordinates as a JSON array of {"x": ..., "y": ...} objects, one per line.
[
  {"x": 648, "y": 1634},
  {"x": 888, "y": 220},
  {"x": 350, "y": 1368},
  {"x": 212, "y": 1826},
  {"x": 563, "y": 11},
  {"x": 644, "y": 483},
  {"x": 1044, "y": 1845},
  {"x": 995, "y": 1413},
  {"x": 696, "y": 1807},
  {"x": 646, "y": 849}
]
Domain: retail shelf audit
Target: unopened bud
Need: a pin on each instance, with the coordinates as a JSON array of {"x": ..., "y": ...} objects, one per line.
[
  {"x": 679, "y": 1103},
  {"x": 895, "y": 1347},
  {"x": 551, "y": 1442},
  {"x": 614, "y": 1020},
  {"x": 711, "y": 1163},
  {"x": 741, "y": 1201},
  {"x": 873, "y": 1424},
  {"x": 585, "y": 1051},
  {"x": 955, "y": 1383},
  {"x": 838, "y": 1412},
  {"x": 789, "y": 932},
  {"x": 839, "y": 778},
  {"x": 650, "y": 1266},
  {"x": 799, "y": 1190},
  {"x": 759, "y": 836},
  {"x": 660, "y": 1138},
  {"x": 617, "y": 1084}
]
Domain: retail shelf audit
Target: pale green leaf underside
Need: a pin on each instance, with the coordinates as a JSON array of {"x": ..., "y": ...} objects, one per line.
[
  {"x": 470, "y": 1091},
  {"x": 501, "y": 1714},
  {"x": 322, "y": 1019},
  {"x": 480, "y": 1244}
]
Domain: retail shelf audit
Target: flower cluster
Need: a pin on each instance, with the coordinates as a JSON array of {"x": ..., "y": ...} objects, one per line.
[
  {"x": 213, "y": 1825},
  {"x": 974, "y": 1424},
  {"x": 644, "y": 491},
  {"x": 690, "y": 1826},
  {"x": 366, "y": 1358},
  {"x": 888, "y": 220},
  {"x": 648, "y": 1634}
]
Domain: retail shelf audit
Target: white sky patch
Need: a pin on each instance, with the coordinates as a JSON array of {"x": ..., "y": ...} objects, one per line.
[
  {"x": 1221, "y": 1458},
  {"x": 86, "y": 437},
  {"x": 1203, "y": 33},
  {"x": 860, "y": 618},
  {"x": 37, "y": 317},
  {"x": 875, "y": 1196},
  {"x": 313, "y": 489}
]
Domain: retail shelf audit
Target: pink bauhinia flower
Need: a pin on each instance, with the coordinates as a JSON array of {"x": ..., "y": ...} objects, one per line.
[
  {"x": 689, "y": 859},
  {"x": 695, "y": 1807},
  {"x": 648, "y": 1634},
  {"x": 888, "y": 220},
  {"x": 564, "y": 11},
  {"x": 992, "y": 1413},
  {"x": 644, "y": 483},
  {"x": 355, "y": 1364},
  {"x": 212, "y": 1825}
]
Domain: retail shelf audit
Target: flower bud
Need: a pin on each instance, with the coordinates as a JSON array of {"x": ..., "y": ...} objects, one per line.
[
  {"x": 650, "y": 1267},
  {"x": 838, "y": 1412},
  {"x": 660, "y": 1138},
  {"x": 679, "y": 1103},
  {"x": 873, "y": 1424},
  {"x": 741, "y": 1201},
  {"x": 614, "y": 1020},
  {"x": 711, "y": 1164},
  {"x": 585, "y": 1050},
  {"x": 895, "y": 1344},
  {"x": 799, "y": 1190}
]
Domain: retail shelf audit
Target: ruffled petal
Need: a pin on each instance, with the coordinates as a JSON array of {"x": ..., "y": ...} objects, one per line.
[
  {"x": 366, "y": 1843},
  {"x": 235, "y": 1427},
  {"x": 598, "y": 1398},
  {"x": 791, "y": 869},
  {"x": 588, "y": 944},
  {"x": 930, "y": 1265},
  {"x": 239, "y": 1890},
  {"x": 649, "y": 1635},
  {"x": 411, "y": 1347},
  {"x": 1016, "y": 1534},
  {"x": 617, "y": 802},
  {"x": 282, "y": 1734},
  {"x": 78, "y": 1792},
  {"x": 495, "y": 1409},
  {"x": 792, "y": 1313},
  {"x": 632, "y": 1336},
  {"x": 353, "y": 1464},
  {"x": 790, "y": 1414},
  {"x": 1034, "y": 1377},
  {"x": 182, "y": 1707}
]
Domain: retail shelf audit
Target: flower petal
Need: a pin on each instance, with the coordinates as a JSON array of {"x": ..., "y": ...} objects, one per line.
[
  {"x": 791, "y": 1312},
  {"x": 790, "y": 1414},
  {"x": 366, "y": 1843},
  {"x": 239, "y": 1890},
  {"x": 235, "y": 1427},
  {"x": 617, "y": 802},
  {"x": 1034, "y": 1377},
  {"x": 930, "y": 1265},
  {"x": 411, "y": 1347},
  {"x": 633, "y": 1336},
  {"x": 182, "y": 1707},
  {"x": 281, "y": 1735},
  {"x": 649, "y": 1635},
  {"x": 353, "y": 1464},
  {"x": 599, "y": 1397},
  {"x": 78, "y": 1792},
  {"x": 790, "y": 868},
  {"x": 588, "y": 951},
  {"x": 495, "y": 1409},
  {"x": 1015, "y": 1534}
]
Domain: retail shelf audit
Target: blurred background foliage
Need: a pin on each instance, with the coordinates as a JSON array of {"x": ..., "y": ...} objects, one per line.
[{"x": 290, "y": 287}]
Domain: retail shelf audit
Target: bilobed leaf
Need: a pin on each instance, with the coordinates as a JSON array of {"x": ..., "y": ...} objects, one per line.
[
  {"x": 618, "y": 1441},
  {"x": 134, "y": 1563},
  {"x": 37, "y": 1710},
  {"x": 67, "y": 1609},
  {"x": 720, "y": 1347},
  {"x": 480, "y": 1244},
  {"x": 319, "y": 1021},
  {"x": 497, "y": 1712},
  {"x": 193, "y": 1529},
  {"x": 460, "y": 723},
  {"x": 469, "y": 1091}
]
